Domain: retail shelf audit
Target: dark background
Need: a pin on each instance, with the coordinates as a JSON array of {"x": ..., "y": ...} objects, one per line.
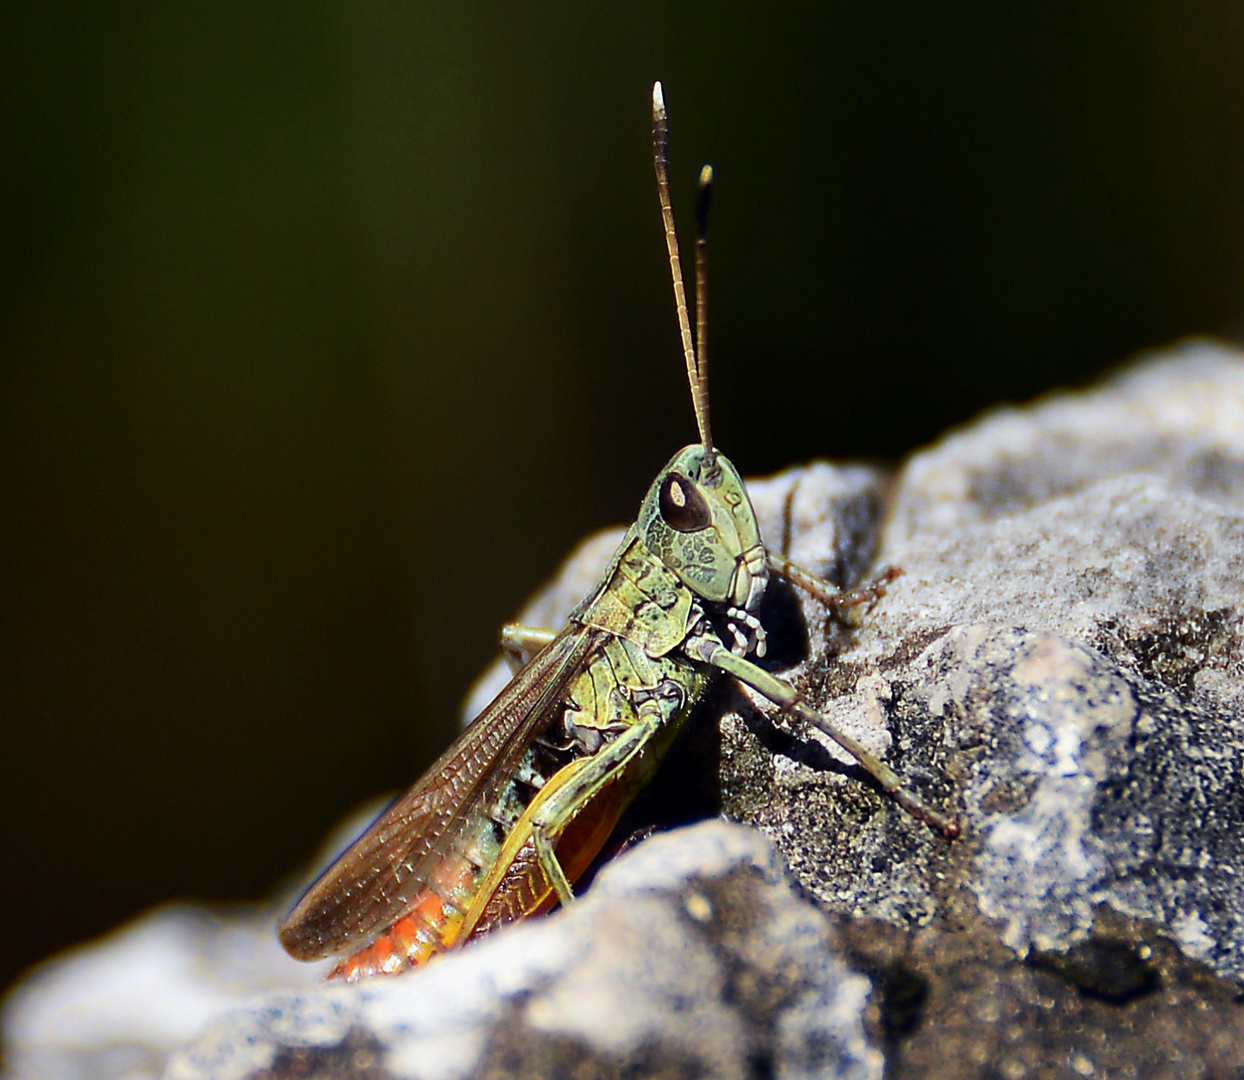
[{"x": 327, "y": 330}]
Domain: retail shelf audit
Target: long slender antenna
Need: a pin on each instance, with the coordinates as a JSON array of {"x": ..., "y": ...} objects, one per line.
[
  {"x": 660, "y": 160},
  {"x": 701, "y": 284}
]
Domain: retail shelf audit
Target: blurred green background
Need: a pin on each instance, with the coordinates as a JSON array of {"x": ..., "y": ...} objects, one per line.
[{"x": 327, "y": 329}]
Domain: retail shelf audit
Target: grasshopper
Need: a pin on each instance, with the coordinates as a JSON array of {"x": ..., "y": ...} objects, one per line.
[{"x": 515, "y": 810}]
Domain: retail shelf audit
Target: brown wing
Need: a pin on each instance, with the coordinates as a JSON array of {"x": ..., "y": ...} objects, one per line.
[{"x": 369, "y": 886}]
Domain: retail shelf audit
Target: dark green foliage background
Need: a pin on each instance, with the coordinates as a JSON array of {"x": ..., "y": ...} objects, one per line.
[{"x": 327, "y": 329}]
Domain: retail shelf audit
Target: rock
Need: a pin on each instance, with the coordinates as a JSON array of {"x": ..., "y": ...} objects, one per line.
[
  {"x": 1064, "y": 647},
  {"x": 1061, "y": 663},
  {"x": 116, "y": 1008},
  {"x": 690, "y": 957}
]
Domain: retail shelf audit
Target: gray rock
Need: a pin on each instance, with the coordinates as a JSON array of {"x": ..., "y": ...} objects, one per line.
[
  {"x": 690, "y": 957},
  {"x": 1065, "y": 648},
  {"x": 116, "y": 1008},
  {"x": 1062, "y": 661}
]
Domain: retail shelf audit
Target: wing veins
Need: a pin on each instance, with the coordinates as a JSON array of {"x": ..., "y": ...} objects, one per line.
[{"x": 362, "y": 892}]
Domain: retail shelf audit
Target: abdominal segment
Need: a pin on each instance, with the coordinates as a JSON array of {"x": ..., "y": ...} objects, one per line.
[
  {"x": 497, "y": 880},
  {"x": 433, "y": 923},
  {"x": 489, "y": 873}
]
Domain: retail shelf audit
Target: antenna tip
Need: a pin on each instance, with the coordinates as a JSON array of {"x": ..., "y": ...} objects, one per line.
[
  {"x": 706, "y": 197},
  {"x": 658, "y": 97}
]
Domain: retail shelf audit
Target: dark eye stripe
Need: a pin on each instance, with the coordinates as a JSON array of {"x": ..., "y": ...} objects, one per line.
[{"x": 682, "y": 506}]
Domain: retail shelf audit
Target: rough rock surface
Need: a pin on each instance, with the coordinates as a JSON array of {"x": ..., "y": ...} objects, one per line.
[
  {"x": 723, "y": 969},
  {"x": 1069, "y": 630},
  {"x": 117, "y": 1007},
  {"x": 1061, "y": 663}
]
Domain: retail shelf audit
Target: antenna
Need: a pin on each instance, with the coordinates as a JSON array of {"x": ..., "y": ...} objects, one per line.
[
  {"x": 696, "y": 374},
  {"x": 701, "y": 283}
]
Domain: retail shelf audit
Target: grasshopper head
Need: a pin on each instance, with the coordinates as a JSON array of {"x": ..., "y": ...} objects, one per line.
[
  {"x": 698, "y": 520},
  {"x": 696, "y": 517}
]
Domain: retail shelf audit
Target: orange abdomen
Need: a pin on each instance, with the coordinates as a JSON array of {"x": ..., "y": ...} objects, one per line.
[{"x": 449, "y": 911}]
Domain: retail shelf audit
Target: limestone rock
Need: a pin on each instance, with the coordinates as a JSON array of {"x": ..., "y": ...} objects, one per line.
[{"x": 691, "y": 956}]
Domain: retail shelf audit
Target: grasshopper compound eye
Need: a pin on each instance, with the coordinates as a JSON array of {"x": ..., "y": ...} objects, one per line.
[{"x": 683, "y": 508}]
